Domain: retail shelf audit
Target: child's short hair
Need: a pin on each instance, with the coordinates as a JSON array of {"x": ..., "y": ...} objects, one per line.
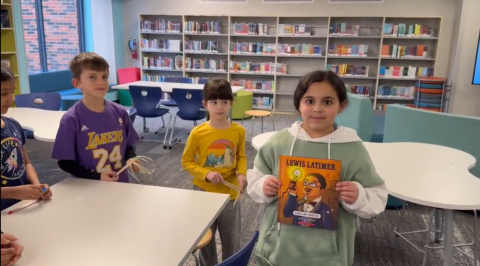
[
  {"x": 7, "y": 74},
  {"x": 87, "y": 60},
  {"x": 320, "y": 76},
  {"x": 217, "y": 89}
]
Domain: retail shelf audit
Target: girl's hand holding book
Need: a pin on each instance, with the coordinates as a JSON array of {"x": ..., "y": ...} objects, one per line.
[
  {"x": 271, "y": 186},
  {"x": 348, "y": 192}
]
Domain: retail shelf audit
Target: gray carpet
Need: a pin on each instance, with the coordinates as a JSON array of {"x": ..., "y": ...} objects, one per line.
[{"x": 372, "y": 247}]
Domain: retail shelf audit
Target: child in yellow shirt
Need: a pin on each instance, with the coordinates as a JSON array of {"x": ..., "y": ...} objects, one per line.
[{"x": 215, "y": 153}]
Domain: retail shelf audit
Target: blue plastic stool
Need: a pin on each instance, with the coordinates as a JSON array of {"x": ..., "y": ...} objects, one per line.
[{"x": 70, "y": 100}]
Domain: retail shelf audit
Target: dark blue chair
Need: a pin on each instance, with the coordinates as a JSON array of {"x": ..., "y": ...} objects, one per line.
[
  {"x": 145, "y": 100},
  {"x": 189, "y": 104},
  {"x": 172, "y": 102},
  {"x": 242, "y": 257},
  {"x": 203, "y": 81},
  {"x": 41, "y": 100}
]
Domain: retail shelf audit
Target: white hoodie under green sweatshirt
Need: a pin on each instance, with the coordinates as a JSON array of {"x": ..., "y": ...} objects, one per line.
[{"x": 290, "y": 245}]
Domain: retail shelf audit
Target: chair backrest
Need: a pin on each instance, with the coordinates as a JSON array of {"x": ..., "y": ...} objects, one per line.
[
  {"x": 242, "y": 257},
  {"x": 406, "y": 124},
  {"x": 132, "y": 113},
  {"x": 188, "y": 102},
  {"x": 50, "y": 81},
  {"x": 178, "y": 80},
  {"x": 203, "y": 81},
  {"x": 359, "y": 116},
  {"x": 128, "y": 75},
  {"x": 42, "y": 100},
  {"x": 145, "y": 98}
]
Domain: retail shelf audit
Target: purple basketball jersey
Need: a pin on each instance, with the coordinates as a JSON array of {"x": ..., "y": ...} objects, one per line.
[{"x": 97, "y": 141}]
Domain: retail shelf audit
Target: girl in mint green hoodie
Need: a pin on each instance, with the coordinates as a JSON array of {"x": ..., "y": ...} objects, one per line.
[{"x": 319, "y": 97}]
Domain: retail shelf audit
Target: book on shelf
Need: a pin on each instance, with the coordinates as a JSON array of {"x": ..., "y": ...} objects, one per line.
[
  {"x": 160, "y": 26},
  {"x": 262, "y": 102},
  {"x": 258, "y": 67},
  {"x": 160, "y": 45},
  {"x": 392, "y": 92},
  {"x": 294, "y": 30},
  {"x": 253, "y": 48},
  {"x": 155, "y": 78},
  {"x": 360, "y": 50},
  {"x": 404, "y": 30},
  {"x": 405, "y": 72},
  {"x": 383, "y": 107},
  {"x": 209, "y": 27},
  {"x": 399, "y": 51},
  {"x": 307, "y": 195},
  {"x": 163, "y": 63},
  {"x": 344, "y": 29},
  {"x": 305, "y": 49},
  {"x": 205, "y": 64},
  {"x": 5, "y": 19},
  {"x": 201, "y": 46},
  {"x": 349, "y": 70},
  {"x": 361, "y": 90},
  {"x": 248, "y": 28},
  {"x": 255, "y": 85}
]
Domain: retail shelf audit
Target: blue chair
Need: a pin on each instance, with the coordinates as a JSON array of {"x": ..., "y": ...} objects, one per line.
[
  {"x": 41, "y": 100},
  {"x": 203, "y": 81},
  {"x": 189, "y": 104},
  {"x": 242, "y": 257},
  {"x": 359, "y": 116},
  {"x": 146, "y": 101},
  {"x": 172, "y": 102}
]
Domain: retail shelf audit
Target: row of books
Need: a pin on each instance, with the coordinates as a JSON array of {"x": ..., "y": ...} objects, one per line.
[
  {"x": 349, "y": 70},
  {"x": 348, "y": 50},
  {"x": 209, "y": 27},
  {"x": 249, "y": 28},
  {"x": 398, "y": 51},
  {"x": 305, "y": 49},
  {"x": 384, "y": 106},
  {"x": 160, "y": 26},
  {"x": 154, "y": 77},
  {"x": 161, "y": 45},
  {"x": 205, "y": 64},
  {"x": 255, "y": 85},
  {"x": 167, "y": 63},
  {"x": 257, "y": 67},
  {"x": 359, "y": 89},
  {"x": 404, "y": 30},
  {"x": 344, "y": 29},
  {"x": 386, "y": 91},
  {"x": 294, "y": 30},
  {"x": 202, "y": 46},
  {"x": 407, "y": 72},
  {"x": 252, "y": 48},
  {"x": 262, "y": 102}
]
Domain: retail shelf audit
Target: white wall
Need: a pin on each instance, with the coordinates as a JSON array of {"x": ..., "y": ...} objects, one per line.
[
  {"x": 102, "y": 26},
  {"x": 465, "y": 98}
]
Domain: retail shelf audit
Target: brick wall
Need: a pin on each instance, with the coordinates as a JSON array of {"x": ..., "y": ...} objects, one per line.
[{"x": 61, "y": 33}]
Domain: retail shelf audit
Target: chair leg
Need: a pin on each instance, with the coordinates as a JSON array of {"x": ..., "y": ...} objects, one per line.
[
  {"x": 429, "y": 232},
  {"x": 163, "y": 122},
  {"x": 195, "y": 123},
  {"x": 243, "y": 118},
  {"x": 475, "y": 239},
  {"x": 171, "y": 132},
  {"x": 273, "y": 122},
  {"x": 145, "y": 128},
  {"x": 166, "y": 133},
  {"x": 396, "y": 229}
]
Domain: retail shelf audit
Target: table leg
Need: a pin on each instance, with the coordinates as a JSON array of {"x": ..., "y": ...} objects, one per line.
[
  {"x": 438, "y": 226},
  {"x": 448, "y": 241}
]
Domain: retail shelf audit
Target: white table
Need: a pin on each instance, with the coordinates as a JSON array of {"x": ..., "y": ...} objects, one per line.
[
  {"x": 113, "y": 224},
  {"x": 426, "y": 174},
  {"x": 167, "y": 87},
  {"x": 43, "y": 123}
]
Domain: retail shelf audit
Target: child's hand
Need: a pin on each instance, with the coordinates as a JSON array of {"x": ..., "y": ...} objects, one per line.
[
  {"x": 348, "y": 192},
  {"x": 13, "y": 253},
  {"x": 47, "y": 194},
  {"x": 134, "y": 163},
  {"x": 242, "y": 182},
  {"x": 109, "y": 176},
  {"x": 214, "y": 177},
  {"x": 27, "y": 192},
  {"x": 271, "y": 186}
]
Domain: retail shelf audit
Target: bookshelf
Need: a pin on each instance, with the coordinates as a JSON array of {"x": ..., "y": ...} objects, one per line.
[
  {"x": 9, "y": 49},
  {"x": 378, "y": 57}
]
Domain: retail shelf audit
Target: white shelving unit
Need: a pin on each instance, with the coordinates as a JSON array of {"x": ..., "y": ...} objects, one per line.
[{"x": 371, "y": 31}]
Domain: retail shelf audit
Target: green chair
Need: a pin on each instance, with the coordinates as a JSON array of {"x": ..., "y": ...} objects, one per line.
[
  {"x": 359, "y": 116},
  {"x": 242, "y": 103},
  {"x": 406, "y": 124}
]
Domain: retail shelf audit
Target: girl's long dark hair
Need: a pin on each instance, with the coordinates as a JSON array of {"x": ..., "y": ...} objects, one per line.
[{"x": 7, "y": 74}]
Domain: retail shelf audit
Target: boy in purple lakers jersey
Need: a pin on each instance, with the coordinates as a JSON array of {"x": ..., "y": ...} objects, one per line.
[{"x": 96, "y": 137}]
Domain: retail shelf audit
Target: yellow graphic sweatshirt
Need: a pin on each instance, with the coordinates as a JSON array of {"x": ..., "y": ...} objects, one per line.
[{"x": 219, "y": 150}]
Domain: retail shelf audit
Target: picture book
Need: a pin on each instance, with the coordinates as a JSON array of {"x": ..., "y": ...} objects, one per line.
[{"x": 307, "y": 196}]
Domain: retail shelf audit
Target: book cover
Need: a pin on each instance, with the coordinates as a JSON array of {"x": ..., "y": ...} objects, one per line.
[{"x": 307, "y": 196}]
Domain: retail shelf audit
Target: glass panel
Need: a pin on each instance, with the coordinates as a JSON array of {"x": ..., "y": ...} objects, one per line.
[{"x": 31, "y": 36}]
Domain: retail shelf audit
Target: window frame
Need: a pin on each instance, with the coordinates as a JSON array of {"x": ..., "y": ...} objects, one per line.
[{"x": 41, "y": 32}]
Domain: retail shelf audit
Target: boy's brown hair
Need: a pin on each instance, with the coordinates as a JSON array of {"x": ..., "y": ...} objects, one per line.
[
  {"x": 217, "y": 89},
  {"x": 90, "y": 61}
]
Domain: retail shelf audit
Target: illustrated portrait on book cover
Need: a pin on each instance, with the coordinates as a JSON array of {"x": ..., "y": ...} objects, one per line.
[{"x": 307, "y": 196}]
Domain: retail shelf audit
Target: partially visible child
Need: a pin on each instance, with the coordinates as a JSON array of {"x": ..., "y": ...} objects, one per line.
[
  {"x": 319, "y": 97},
  {"x": 19, "y": 178},
  {"x": 214, "y": 154},
  {"x": 96, "y": 137}
]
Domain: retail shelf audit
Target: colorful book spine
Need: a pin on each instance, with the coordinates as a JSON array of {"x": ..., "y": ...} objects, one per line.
[
  {"x": 160, "y": 26},
  {"x": 249, "y": 28},
  {"x": 262, "y": 102},
  {"x": 294, "y": 30},
  {"x": 252, "y": 48},
  {"x": 167, "y": 63},
  {"x": 398, "y": 51},
  {"x": 349, "y": 70},
  {"x": 258, "y": 67},
  {"x": 201, "y": 46},
  {"x": 405, "y": 72},
  {"x": 209, "y": 27},
  {"x": 305, "y": 49},
  {"x": 389, "y": 92},
  {"x": 344, "y": 29},
  {"x": 160, "y": 45},
  {"x": 205, "y": 64},
  {"x": 404, "y": 30},
  {"x": 359, "y": 90},
  {"x": 255, "y": 85},
  {"x": 360, "y": 50}
]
